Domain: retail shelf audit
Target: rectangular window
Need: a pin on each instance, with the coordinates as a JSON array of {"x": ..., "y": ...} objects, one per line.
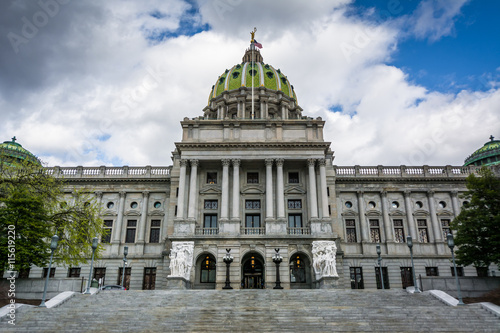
[
  {"x": 252, "y": 221},
  {"x": 252, "y": 204},
  {"x": 106, "y": 231},
  {"x": 374, "y": 231},
  {"x": 399, "y": 233},
  {"x": 24, "y": 273},
  {"x": 211, "y": 177},
  {"x": 431, "y": 271},
  {"x": 154, "y": 233},
  {"x": 350, "y": 229},
  {"x": 460, "y": 271},
  {"x": 100, "y": 273},
  {"x": 386, "y": 278},
  {"x": 128, "y": 271},
  {"x": 130, "y": 235},
  {"x": 74, "y": 272},
  {"x": 295, "y": 220},
  {"x": 293, "y": 177},
  {"x": 149, "y": 280},
  {"x": 445, "y": 225},
  {"x": 52, "y": 272},
  {"x": 211, "y": 204},
  {"x": 423, "y": 236},
  {"x": 210, "y": 221},
  {"x": 252, "y": 177},
  {"x": 356, "y": 278},
  {"x": 294, "y": 204}
]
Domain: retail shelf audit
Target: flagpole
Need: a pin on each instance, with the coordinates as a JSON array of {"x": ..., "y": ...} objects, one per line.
[{"x": 252, "y": 47}]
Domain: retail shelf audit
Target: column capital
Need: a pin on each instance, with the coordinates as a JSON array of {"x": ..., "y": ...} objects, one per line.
[
  {"x": 454, "y": 193},
  {"x": 98, "y": 194},
  {"x": 145, "y": 194},
  {"x": 183, "y": 162},
  {"x": 360, "y": 193},
  {"x": 383, "y": 194},
  {"x": 236, "y": 162},
  {"x": 269, "y": 161},
  {"x": 194, "y": 162},
  {"x": 406, "y": 193},
  {"x": 226, "y": 162},
  {"x": 430, "y": 193},
  {"x": 122, "y": 194},
  {"x": 311, "y": 161},
  {"x": 280, "y": 161},
  {"x": 322, "y": 161}
]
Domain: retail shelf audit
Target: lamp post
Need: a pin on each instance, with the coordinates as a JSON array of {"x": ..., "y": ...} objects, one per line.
[
  {"x": 228, "y": 259},
  {"x": 451, "y": 245},
  {"x": 94, "y": 247},
  {"x": 380, "y": 266},
  {"x": 53, "y": 247},
  {"x": 125, "y": 252},
  {"x": 277, "y": 259},
  {"x": 409, "y": 241}
]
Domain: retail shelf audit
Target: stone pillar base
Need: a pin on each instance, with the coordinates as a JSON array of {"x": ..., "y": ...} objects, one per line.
[
  {"x": 327, "y": 282},
  {"x": 177, "y": 283}
]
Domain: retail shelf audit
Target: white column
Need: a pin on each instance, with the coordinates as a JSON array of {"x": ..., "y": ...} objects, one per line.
[
  {"x": 365, "y": 228},
  {"x": 224, "y": 212},
  {"x": 434, "y": 221},
  {"x": 182, "y": 186},
  {"x": 313, "y": 198},
  {"x": 193, "y": 197},
  {"x": 454, "y": 203},
  {"x": 280, "y": 191},
  {"x": 389, "y": 237},
  {"x": 409, "y": 217},
  {"x": 142, "y": 222},
  {"x": 236, "y": 189},
  {"x": 324, "y": 191},
  {"x": 269, "y": 188},
  {"x": 119, "y": 219}
]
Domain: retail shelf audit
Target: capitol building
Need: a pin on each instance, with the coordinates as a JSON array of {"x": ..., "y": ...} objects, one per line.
[{"x": 253, "y": 179}]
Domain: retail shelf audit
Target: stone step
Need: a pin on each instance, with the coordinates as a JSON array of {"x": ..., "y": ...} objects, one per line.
[{"x": 255, "y": 310}]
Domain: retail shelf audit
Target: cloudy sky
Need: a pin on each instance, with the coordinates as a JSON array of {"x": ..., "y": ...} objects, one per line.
[{"x": 93, "y": 82}]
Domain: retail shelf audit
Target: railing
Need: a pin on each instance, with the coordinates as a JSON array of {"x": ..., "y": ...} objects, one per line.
[
  {"x": 253, "y": 231},
  {"x": 298, "y": 231},
  {"x": 110, "y": 172},
  {"x": 206, "y": 231},
  {"x": 404, "y": 171}
]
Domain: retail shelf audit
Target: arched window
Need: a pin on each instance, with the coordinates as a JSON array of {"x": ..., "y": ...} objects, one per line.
[
  {"x": 297, "y": 269},
  {"x": 207, "y": 270}
]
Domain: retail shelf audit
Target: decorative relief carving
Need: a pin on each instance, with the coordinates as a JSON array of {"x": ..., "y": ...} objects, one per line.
[
  {"x": 181, "y": 259},
  {"x": 194, "y": 162},
  {"x": 322, "y": 162},
  {"x": 311, "y": 162},
  {"x": 236, "y": 162},
  {"x": 183, "y": 162},
  {"x": 324, "y": 259},
  {"x": 226, "y": 162},
  {"x": 279, "y": 162},
  {"x": 269, "y": 161}
]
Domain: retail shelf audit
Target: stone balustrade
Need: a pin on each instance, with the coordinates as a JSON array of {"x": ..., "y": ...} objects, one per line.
[
  {"x": 110, "y": 172},
  {"x": 447, "y": 171}
]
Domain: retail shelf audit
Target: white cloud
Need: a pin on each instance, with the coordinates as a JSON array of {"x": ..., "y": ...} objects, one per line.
[{"x": 90, "y": 89}]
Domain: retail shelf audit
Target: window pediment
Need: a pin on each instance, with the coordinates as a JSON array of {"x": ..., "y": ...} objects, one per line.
[
  {"x": 211, "y": 189},
  {"x": 373, "y": 213},
  {"x": 252, "y": 190},
  {"x": 294, "y": 190},
  {"x": 349, "y": 212},
  {"x": 397, "y": 213},
  {"x": 445, "y": 213},
  {"x": 421, "y": 212}
]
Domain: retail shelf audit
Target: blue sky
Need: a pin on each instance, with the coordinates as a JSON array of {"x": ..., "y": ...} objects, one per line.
[{"x": 107, "y": 82}]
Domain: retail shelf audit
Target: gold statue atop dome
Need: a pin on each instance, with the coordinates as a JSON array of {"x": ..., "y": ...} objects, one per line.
[{"x": 253, "y": 34}]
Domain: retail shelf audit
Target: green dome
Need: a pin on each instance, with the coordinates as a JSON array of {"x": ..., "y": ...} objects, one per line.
[
  {"x": 13, "y": 151},
  {"x": 264, "y": 75},
  {"x": 489, "y": 154}
]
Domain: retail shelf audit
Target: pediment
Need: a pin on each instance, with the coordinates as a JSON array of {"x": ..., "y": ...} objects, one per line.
[
  {"x": 108, "y": 212},
  {"x": 211, "y": 189},
  {"x": 349, "y": 212},
  {"x": 294, "y": 190},
  {"x": 132, "y": 213},
  {"x": 421, "y": 212},
  {"x": 445, "y": 212},
  {"x": 397, "y": 213},
  {"x": 156, "y": 213},
  {"x": 252, "y": 190},
  {"x": 373, "y": 213}
]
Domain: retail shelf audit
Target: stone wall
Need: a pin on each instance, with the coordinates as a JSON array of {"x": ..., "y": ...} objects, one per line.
[
  {"x": 33, "y": 288},
  {"x": 469, "y": 286}
]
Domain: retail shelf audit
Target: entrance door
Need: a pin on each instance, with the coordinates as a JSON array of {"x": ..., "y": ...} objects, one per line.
[
  {"x": 253, "y": 272},
  {"x": 406, "y": 277}
]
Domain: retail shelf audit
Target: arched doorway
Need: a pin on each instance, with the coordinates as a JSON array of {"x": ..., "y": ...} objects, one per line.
[
  {"x": 252, "y": 271},
  {"x": 205, "y": 272},
  {"x": 300, "y": 271}
]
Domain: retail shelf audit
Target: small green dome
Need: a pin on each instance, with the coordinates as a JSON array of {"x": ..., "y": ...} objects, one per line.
[
  {"x": 13, "y": 151},
  {"x": 263, "y": 75},
  {"x": 489, "y": 154}
]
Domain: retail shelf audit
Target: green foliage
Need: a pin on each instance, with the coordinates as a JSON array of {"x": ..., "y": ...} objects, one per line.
[
  {"x": 32, "y": 206},
  {"x": 478, "y": 224}
]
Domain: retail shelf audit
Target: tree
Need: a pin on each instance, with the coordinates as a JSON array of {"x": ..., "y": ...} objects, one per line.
[
  {"x": 33, "y": 209},
  {"x": 478, "y": 224}
]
